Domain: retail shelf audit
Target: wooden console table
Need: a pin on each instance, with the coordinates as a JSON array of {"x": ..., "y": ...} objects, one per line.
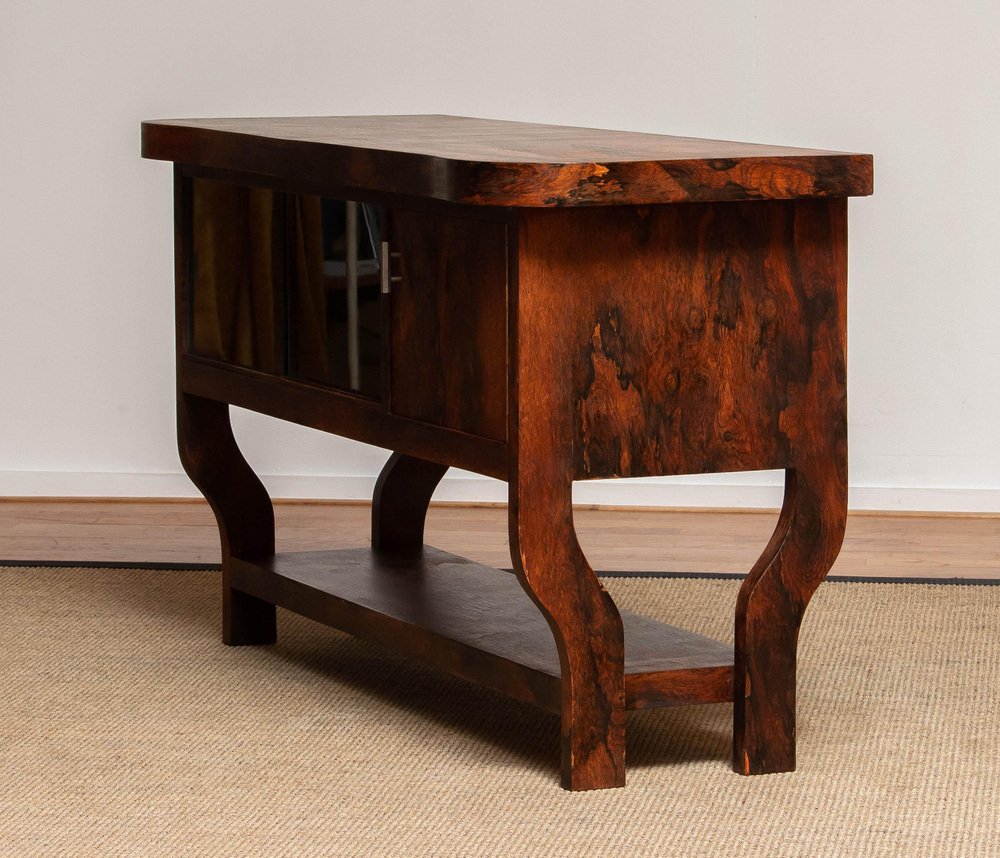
[{"x": 538, "y": 304}]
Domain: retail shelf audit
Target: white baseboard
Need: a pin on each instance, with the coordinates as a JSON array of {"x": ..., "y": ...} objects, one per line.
[{"x": 749, "y": 491}]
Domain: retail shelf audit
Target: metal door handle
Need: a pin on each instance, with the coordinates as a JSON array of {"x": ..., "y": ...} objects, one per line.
[{"x": 385, "y": 268}]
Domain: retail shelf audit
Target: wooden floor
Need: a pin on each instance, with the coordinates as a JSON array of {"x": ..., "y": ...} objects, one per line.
[{"x": 909, "y": 546}]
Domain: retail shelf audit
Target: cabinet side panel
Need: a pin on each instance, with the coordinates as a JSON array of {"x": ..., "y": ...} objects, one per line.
[
  {"x": 449, "y": 322},
  {"x": 708, "y": 338}
]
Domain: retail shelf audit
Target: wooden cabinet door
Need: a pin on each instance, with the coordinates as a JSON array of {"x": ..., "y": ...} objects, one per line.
[{"x": 448, "y": 322}]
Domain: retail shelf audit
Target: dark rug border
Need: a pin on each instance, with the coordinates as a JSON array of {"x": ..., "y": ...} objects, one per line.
[
  {"x": 710, "y": 576},
  {"x": 837, "y": 579},
  {"x": 99, "y": 564}
]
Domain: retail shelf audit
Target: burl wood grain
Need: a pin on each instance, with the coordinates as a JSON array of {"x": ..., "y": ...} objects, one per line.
[
  {"x": 493, "y": 163},
  {"x": 689, "y": 339},
  {"x": 449, "y": 322},
  {"x": 547, "y": 557},
  {"x": 705, "y": 332}
]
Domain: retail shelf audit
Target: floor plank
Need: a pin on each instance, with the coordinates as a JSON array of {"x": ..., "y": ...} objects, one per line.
[{"x": 117, "y": 531}]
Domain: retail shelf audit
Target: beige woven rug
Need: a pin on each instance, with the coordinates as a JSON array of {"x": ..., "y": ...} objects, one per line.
[{"x": 126, "y": 728}]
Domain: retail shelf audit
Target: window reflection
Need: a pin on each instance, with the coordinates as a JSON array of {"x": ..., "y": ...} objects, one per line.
[{"x": 335, "y": 287}]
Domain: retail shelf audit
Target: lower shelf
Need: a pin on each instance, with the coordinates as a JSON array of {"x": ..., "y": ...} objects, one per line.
[{"x": 476, "y": 622}]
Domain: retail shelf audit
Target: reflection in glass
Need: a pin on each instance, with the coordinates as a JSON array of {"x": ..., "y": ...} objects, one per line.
[
  {"x": 287, "y": 284},
  {"x": 334, "y": 308},
  {"x": 236, "y": 310}
]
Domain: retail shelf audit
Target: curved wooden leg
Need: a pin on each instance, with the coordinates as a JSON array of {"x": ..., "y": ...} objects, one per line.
[
  {"x": 548, "y": 337},
  {"x": 242, "y": 508},
  {"x": 769, "y": 612},
  {"x": 587, "y": 628},
  {"x": 399, "y": 505}
]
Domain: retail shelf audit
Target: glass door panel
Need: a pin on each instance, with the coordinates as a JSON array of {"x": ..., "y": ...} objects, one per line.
[
  {"x": 335, "y": 315},
  {"x": 287, "y": 284}
]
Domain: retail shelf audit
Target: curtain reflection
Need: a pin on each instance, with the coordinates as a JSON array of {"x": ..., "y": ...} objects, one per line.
[
  {"x": 308, "y": 355},
  {"x": 235, "y": 314}
]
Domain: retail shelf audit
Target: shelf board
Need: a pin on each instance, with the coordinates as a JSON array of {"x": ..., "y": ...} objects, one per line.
[{"x": 476, "y": 622}]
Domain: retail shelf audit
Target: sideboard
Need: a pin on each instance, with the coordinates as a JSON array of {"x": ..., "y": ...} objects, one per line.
[{"x": 539, "y": 304}]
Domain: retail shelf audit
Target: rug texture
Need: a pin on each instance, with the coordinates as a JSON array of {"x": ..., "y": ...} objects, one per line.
[{"x": 127, "y": 728}]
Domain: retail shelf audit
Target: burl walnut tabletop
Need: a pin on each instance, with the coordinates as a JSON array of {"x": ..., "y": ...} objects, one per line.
[
  {"x": 490, "y": 162},
  {"x": 538, "y": 304}
]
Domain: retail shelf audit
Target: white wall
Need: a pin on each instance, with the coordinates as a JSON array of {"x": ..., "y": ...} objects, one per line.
[{"x": 86, "y": 259}]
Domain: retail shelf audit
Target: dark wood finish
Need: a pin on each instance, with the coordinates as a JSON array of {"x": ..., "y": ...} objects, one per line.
[
  {"x": 581, "y": 335},
  {"x": 399, "y": 505},
  {"x": 242, "y": 509},
  {"x": 494, "y": 163},
  {"x": 547, "y": 558},
  {"x": 449, "y": 322},
  {"x": 342, "y": 413},
  {"x": 772, "y": 601},
  {"x": 212, "y": 459},
  {"x": 289, "y": 183},
  {"x": 477, "y": 623},
  {"x": 708, "y": 339},
  {"x": 812, "y": 402},
  {"x": 695, "y": 685},
  {"x": 695, "y": 340}
]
